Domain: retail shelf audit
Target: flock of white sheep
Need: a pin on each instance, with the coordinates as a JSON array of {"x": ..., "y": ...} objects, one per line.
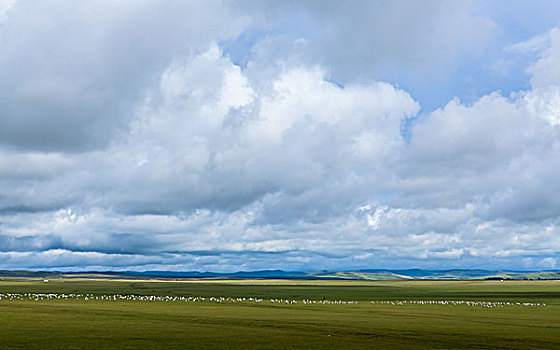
[
  {"x": 167, "y": 298},
  {"x": 489, "y": 304}
]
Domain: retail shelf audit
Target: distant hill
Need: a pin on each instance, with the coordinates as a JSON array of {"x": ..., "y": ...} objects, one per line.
[
  {"x": 364, "y": 274},
  {"x": 419, "y": 274}
]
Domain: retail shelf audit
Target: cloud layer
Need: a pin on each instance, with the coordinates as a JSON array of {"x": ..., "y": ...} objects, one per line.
[{"x": 202, "y": 136}]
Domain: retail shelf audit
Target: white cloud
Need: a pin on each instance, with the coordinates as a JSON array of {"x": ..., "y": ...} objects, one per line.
[
  {"x": 546, "y": 71},
  {"x": 5, "y": 7},
  {"x": 535, "y": 44}
]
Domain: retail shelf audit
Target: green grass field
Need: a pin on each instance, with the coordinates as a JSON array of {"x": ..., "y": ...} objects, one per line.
[{"x": 80, "y": 323}]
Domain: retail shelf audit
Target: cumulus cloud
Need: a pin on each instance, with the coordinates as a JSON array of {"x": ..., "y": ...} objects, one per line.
[
  {"x": 72, "y": 73},
  {"x": 158, "y": 149}
]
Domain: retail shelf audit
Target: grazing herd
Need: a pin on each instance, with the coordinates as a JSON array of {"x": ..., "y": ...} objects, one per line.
[
  {"x": 194, "y": 299},
  {"x": 488, "y": 304}
]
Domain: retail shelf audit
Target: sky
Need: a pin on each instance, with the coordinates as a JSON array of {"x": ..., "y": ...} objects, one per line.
[{"x": 297, "y": 135}]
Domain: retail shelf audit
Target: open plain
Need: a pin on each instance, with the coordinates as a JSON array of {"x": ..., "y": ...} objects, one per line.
[{"x": 152, "y": 314}]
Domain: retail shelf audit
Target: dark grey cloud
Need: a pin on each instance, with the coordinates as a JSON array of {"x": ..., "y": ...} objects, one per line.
[{"x": 72, "y": 73}]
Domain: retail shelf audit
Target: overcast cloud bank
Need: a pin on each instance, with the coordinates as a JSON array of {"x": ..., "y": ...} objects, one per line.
[{"x": 258, "y": 135}]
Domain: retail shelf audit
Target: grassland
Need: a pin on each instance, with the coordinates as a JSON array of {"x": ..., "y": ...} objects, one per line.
[{"x": 79, "y": 323}]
